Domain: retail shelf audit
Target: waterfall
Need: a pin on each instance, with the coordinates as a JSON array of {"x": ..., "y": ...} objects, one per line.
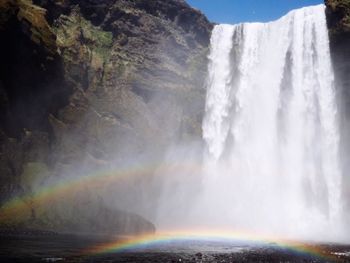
[{"x": 271, "y": 127}]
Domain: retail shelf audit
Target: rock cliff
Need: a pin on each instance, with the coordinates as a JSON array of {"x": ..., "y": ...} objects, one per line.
[
  {"x": 338, "y": 18},
  {"x": 95, "y": 82},
  {"x": 89, "y": 84}
]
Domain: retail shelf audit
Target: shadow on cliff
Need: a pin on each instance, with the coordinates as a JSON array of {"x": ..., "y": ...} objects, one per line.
[{"x": 93, "y": 96}]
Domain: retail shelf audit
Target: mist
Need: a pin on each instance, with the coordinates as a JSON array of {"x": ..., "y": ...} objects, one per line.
[
  {"x": 266, "y": 160},
  {"x": 269, "y": 161}
]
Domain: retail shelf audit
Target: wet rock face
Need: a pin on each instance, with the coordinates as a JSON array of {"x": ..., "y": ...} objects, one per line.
[
  {"x": 338, "y": 19},
  {"x": 30, "y": 72},
  {"x": 338, "y": 16},
  {"x": 96, "y": 83}
]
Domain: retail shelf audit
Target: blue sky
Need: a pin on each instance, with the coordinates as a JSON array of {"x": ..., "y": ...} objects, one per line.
[{"x": 236, "y": 11}]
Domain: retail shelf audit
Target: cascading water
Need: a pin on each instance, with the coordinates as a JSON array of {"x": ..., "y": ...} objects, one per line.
[{"x": 271, "y": 128}]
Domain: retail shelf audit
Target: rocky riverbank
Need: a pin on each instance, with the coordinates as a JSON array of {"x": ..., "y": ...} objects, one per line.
[{"x": 73, "y": 249}]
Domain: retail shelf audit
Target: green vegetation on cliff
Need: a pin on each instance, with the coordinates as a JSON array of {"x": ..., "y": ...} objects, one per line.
[{"x": 89, "y": 84}]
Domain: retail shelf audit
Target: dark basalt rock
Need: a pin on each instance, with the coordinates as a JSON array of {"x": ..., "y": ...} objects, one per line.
[
  {"x": 338, "y": 19},
  {"x": 30, "y": 72},
  {"x": 91, "y": 83}
]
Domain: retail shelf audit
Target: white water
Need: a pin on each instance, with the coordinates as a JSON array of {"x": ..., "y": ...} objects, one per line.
[{"x": 271, "y": 129}]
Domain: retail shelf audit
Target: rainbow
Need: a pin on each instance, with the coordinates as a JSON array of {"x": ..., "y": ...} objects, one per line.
[
  {"x": 156, "y": 240},
  {"x": 68, "y": 185},
  {"x": 64, "y": 186}
]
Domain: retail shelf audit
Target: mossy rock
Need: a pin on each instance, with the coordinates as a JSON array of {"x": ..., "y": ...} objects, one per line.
[{"x": 73, "y": 29}]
